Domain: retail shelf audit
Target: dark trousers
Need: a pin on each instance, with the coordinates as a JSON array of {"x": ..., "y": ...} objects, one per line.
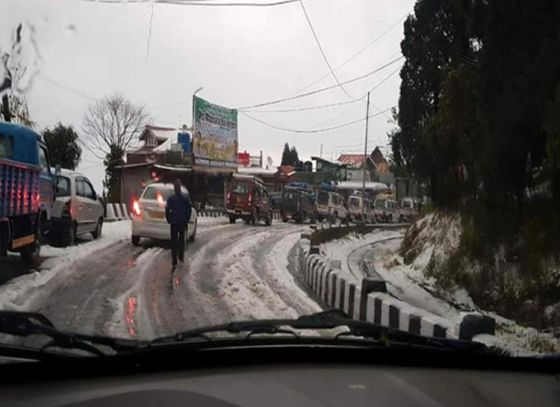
[{"x": 178, "y": 241}]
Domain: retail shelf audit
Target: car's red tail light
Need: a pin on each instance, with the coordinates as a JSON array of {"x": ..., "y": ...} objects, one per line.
[
  {"x": 228, "y": 196},
  {"x": 136, "y": 209},
  {"x": 250, "y": 199}
]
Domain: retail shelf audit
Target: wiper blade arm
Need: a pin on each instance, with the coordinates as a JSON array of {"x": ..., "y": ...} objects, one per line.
[
  {"x": 324, "y": 320},
  {"x": 26, "y": 324}
]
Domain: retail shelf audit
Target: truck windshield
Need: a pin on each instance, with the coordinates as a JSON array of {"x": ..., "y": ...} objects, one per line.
[
  {"x": 241, "y": 187},
  {"x": 380, "y": 204},
  {"x": 354, "y": 202},
  {"x": 6, "y": 146},
  {"x": 323, "y": 198},
  {"x": 62, "y": 186}
]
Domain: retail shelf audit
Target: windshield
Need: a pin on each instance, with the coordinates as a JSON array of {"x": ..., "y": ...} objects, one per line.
[
  {"x": 323, "y": 198},
  {"x": 241, "y": 187},
  {"x": 63, "y": 186},
  {"x": 354, "y": 202},
  {"x": 379, "y": 204},
  {"x": 302, "y": 131}
]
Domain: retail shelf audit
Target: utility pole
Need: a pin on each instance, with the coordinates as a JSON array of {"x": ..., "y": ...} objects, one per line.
[
  {"x": 365, "y": 160},
  {"x": 321, "y": 153}
]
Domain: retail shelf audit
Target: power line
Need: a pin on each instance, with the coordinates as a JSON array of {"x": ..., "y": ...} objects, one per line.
[
  {"x": 316, "y": 37},
  {"x": 298, "y": 109},
  {"x": 57, "y": 84},
  {"x": 359, "y": 52},
  {"x": 204, "y": 3},
  {"x": 313, "y": 92},
  {"x": 150, "y": 30},
  {"x": 313, "y": 130}
]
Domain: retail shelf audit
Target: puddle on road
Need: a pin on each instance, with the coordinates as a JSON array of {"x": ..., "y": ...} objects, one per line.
[{"x": 130, "y": 316}]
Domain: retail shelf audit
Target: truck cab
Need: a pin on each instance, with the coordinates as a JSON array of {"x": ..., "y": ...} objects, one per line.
[
  {"x": 26, "y": 190},
  {"x": 298, "y": 203}
]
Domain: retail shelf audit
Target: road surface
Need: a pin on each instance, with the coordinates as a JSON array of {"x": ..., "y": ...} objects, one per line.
[{"x": 231, "y": 272}]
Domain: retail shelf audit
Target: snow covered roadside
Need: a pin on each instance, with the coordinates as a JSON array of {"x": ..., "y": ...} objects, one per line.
[
  {"x": 410, "y": 284},
  {"x": 16, "y": 294},
  {"x": 342, "y": 249}
]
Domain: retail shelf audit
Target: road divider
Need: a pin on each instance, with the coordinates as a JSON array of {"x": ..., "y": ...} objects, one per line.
[
  {"x": 367, "y": 300},
  {"x": 116, "y": 211}
]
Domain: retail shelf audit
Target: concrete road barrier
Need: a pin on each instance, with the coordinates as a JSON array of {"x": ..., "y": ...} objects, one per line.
[{"x": 368, "y": 301}]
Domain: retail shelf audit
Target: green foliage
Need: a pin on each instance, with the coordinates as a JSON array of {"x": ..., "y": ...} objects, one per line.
[
  {"x": 479, "y": 109},
  {"x": 62, "y": 143},
  {"x": 290, "y": 156}
]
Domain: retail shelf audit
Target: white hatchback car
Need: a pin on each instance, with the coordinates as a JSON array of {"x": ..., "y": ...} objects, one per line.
[
  {"x": 76, "y": 209},
  {"x": 148, "y": 214}
]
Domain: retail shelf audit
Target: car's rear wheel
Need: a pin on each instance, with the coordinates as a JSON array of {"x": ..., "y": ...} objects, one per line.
[
  {"x": 70, "y": 239},
  {"x": 192, "y": 237},
  {"x": 98, "y": 229},
  {"x": 269, "y": 219},
  {"x": 232, "y": 219},
  {"x": 135, "y": 240},
  {"x": 255, "y": 218}
]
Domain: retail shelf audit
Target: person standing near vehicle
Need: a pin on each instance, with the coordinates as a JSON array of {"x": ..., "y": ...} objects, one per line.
[{"x": 178, "y": 214}]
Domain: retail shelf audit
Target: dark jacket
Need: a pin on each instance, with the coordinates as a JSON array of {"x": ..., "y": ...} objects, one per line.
[{"x": 178, "y": 209}]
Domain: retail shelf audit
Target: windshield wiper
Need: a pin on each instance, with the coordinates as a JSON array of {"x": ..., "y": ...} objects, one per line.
[
  {"x": 24, "y": 324},
  {"x": 322, "y": 321}
]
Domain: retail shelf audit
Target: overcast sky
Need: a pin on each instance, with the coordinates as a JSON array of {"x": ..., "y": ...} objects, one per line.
[{"x": 241, "y": 56}]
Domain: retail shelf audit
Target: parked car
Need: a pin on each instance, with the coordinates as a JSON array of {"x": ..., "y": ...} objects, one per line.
[
  {"x": 408, "y": 209},
  {"x": 247, "y": 198},
  {"x": 386, "y": 210},
  {"x": 330, "y": 205},
  {"x": 298, "y": 203},
  {"x": 148, "y": 214},
  {"x": 77, "y": 209},
  {"x": 355, "y": 202},
  {"x": 26, "y": 191}
]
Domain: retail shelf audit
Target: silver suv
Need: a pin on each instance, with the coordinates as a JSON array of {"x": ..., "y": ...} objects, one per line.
[{"x": 76, "y": 209}]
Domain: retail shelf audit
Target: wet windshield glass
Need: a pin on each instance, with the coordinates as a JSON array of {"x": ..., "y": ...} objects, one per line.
[{"x": 314, "y": 139}]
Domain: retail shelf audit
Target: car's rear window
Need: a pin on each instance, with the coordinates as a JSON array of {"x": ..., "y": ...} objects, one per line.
[
  {"x": 241, "y": 187},
  {"x": 323, "y": 198},
  {"x": 62, "y": 186},
  {"x": 153, "y": 192}
]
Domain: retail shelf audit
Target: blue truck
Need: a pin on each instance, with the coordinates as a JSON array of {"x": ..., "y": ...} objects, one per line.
[{"x": 26, "y": 191}]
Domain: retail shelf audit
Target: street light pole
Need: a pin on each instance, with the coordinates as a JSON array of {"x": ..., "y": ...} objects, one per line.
[
  {"x": 193, "y": 112},
  {"x": 365, "y": 159}
]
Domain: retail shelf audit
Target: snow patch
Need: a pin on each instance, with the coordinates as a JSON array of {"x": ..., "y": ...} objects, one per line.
[{"x": 18, "y": 293}]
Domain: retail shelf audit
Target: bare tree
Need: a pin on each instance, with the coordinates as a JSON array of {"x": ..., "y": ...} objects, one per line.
[{"x": 111, "y": 124}]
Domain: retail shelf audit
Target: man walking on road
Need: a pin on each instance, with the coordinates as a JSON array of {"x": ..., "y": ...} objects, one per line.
[{"x": 178, "y": 213}]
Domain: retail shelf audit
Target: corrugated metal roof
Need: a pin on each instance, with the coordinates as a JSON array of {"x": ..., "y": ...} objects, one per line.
[{"x": 355, "y": 160}]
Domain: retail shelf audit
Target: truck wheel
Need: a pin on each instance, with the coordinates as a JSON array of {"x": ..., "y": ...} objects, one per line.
[
  {"x": 285, "y": 220},
  {"x": 98, "y": 229},
  {"x": 135, "y": 240},
  {"x": 232, "y": 219},
  {"x": 269, "y": 219},
  {"x": 30, "y": 254},
  {"x": 255, "y": 218}
]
